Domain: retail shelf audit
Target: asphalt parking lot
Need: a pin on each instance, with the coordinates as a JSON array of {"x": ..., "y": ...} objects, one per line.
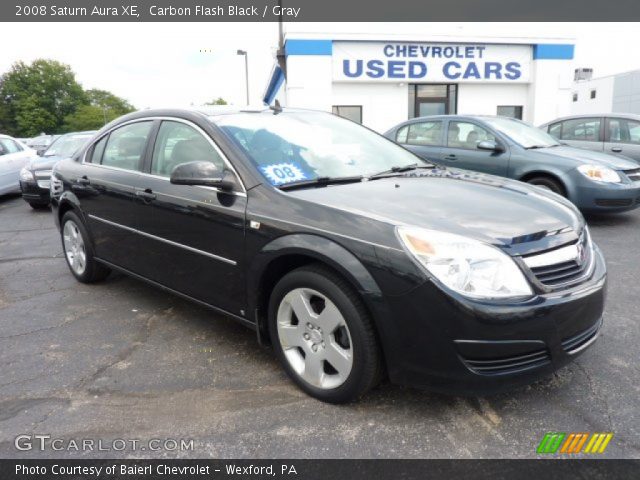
[{"x": 121, "y": 359}]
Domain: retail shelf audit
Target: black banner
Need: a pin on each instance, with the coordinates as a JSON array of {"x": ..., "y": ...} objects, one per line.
[
  {"x": 317, "y": 469},
  {"x": 316, "y": 11}
]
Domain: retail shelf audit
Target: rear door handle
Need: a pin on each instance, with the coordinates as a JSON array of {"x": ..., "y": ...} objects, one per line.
[
  {"x": 146, "y": 194},
  {"x": 616, "y": 149},
  {"x": 450, "y": 157}
]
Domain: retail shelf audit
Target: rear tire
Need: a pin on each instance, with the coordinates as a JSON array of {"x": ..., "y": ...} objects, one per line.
[
  {"x": 323, "y": 335},
  {"x": 548, "y": 183},
  {"x": 78, "y": 250}
]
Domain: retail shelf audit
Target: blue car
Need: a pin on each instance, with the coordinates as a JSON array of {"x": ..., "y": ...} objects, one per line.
[{"x": 594, "y": 181}]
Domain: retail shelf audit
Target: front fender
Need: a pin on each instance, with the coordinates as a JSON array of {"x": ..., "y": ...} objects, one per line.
[
  {"x": 59, "y": 203},
  {"x": 335, "y": 256}
]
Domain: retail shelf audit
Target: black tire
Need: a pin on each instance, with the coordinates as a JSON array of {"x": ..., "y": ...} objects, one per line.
[
  {"x": 39, "y": 206},
  {"x": 366, "y": 370},
  {"x": 93, "y": 271},
  {"x": 549, "y": 183}
]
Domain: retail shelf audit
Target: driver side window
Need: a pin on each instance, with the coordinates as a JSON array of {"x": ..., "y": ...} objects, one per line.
[
  {"x": 178, "y": 143},
  {"x": 467, "y": 135}
]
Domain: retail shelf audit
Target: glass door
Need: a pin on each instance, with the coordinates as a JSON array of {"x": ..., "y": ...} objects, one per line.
[{"x": 432, "y": 99}]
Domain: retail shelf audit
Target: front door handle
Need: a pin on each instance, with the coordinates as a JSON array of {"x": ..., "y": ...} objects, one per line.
[
  {"x": 616, "y": 149},
  {"x": 146, "y": 194},
  {"x": 450, "y": 157}
]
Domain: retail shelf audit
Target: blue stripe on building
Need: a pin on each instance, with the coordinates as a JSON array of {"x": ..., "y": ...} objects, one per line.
[
  {"x": 548, "y": 51},
  {"x": 308, "y": 47}
]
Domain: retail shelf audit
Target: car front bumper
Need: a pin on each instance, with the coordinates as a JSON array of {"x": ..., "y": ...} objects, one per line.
[
  {"x": 597, "y": 197},
  {"x": 457, "y": 345},
  {"x": 34, "y": 193}
]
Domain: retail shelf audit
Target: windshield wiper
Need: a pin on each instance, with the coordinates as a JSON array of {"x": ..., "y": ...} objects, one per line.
[
  {"x": 394, "y": 170},
  {"x": 320, "y": 182}
]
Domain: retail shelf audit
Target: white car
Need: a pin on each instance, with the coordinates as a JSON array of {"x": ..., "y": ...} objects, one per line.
[{"x": 13, "y": 156}]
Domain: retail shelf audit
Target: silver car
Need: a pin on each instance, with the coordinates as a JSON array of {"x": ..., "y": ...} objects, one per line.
[{"x": 617, "y": 133}]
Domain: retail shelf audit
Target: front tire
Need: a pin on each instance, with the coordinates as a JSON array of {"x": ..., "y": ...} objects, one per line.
[
  {"x": 548, "y": 184},
  {"x": 323, "y": 336},
  {"x": 78, "y": 251}
]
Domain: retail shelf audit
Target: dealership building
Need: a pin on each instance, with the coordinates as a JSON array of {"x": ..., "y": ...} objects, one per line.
[{"x": 382, "y": 78}]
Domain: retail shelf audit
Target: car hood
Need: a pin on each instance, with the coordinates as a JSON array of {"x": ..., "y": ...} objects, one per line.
[
  {"x": 591, "y": 157},
  {"x": 503, "y": 212},
  {"x": 44, "y": 163}
]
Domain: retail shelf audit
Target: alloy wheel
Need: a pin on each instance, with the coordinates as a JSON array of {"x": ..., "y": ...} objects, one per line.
[
  {"x": 315, "y": 338},
  {"x": 74, "y": 248}
]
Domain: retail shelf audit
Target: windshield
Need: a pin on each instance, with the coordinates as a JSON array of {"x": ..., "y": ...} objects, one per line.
[
  {"x": 66, "y": 145},
  {"x": 297, "y": 146},
  {"x": 521, "y": 133}
]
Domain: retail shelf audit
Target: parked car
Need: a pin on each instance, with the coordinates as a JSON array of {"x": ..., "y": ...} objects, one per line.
[
  {"x": 35, "y": 177},
  {"x": 347, "y": 253},
  {"x": 13, "y": 156},
  {"x": 594, "y": 181},
  {"x": 616, "y": 133},
  {"x": 41, "y": 142}
]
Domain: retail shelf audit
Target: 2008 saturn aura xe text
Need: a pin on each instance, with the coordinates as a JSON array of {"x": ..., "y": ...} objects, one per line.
[{"x": 355, "y": 259}]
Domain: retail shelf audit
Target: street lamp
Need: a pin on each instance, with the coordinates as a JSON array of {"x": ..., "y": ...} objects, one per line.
[{"x": 246, "y": 70}]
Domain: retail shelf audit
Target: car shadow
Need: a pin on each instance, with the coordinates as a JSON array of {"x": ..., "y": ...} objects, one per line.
[{"x": 610, "y": 220}]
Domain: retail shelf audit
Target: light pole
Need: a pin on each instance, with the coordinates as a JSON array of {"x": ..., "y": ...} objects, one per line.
[{"x": 246, "y": 70}]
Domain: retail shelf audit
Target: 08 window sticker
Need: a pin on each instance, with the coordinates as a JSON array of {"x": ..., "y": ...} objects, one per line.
[{"x": 281, "y": 173}]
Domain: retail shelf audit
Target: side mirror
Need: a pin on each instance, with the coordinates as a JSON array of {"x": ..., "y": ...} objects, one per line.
[
  {"x": 490, "y": 145},
  {"x": 202, "y": 173},
  {"x": 40, "y": 153}
]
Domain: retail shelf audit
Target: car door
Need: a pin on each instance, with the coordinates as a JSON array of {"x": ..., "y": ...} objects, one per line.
[
  {"x": 622, "y": 136},
  {"x": 461, "y": 149},
  {"x": 424, "y": 138},
  {"x": 106, "y": 186},
  {"x": 587, "y": 133},
  {"x": 194, "y": 234}
]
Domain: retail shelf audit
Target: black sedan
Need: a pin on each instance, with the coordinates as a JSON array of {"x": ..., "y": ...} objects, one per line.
[
  {"x": 348, "y": 254},
  {"x": 35, "y": 177}
]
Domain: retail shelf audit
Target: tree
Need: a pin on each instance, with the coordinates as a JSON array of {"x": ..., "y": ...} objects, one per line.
[
  {"x": 217, "y": 101},
  {"x": 37, "y": 97},
  {"x": 102, "y": 107}
]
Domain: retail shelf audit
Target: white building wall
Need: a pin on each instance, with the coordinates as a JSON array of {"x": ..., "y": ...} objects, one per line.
[
  {"x": 585, "y": 104},
  {"x": 309, "y": 83},
  {"x": 383, "y": 104},
  {"x": 549, "y": 91},
  {"x": 484, "y": 98}
]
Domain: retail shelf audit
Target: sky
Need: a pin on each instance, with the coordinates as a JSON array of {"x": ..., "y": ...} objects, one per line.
[{"x": 181, "y": 64}]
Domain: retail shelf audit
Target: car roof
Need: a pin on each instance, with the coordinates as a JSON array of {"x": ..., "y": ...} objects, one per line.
[{"x": 630, "y": 116}]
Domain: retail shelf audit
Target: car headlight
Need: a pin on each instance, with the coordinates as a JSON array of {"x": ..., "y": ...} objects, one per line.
[
  {"x": 467, "y": 266},
  {"x": 599, "y": 173},
  {"x": 26, "y": 175}
]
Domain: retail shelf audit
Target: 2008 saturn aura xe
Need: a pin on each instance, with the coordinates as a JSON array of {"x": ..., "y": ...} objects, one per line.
[{"x": 352, "y": 257}]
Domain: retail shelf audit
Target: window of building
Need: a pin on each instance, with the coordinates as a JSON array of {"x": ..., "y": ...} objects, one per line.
[
  {"x": 585, "y": 129},
  {"x": 575, "y": 97},
  {"x": 178, "y": 143},
  {"x": 511, "y": 111},
  {"x": 421, "y": 133},
  {"x": 125, "y": 146},
  {"x": 350, "y": 112},
  {"x": 593, "y": 94},
  {"x": 432, "y": 99},
  {"x": 467, "y": 135}
]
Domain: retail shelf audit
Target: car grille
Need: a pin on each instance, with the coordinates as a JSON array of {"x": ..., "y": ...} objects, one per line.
[
  {"x": 563, "y": 266},
  {"x": 514, "y": 364},
  {"x": 634, "y": 175},
  {"x": 581, "y": 340}
]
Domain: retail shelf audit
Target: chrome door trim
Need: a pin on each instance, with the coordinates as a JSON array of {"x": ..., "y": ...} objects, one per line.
[{"x": 169, "y": 242}]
